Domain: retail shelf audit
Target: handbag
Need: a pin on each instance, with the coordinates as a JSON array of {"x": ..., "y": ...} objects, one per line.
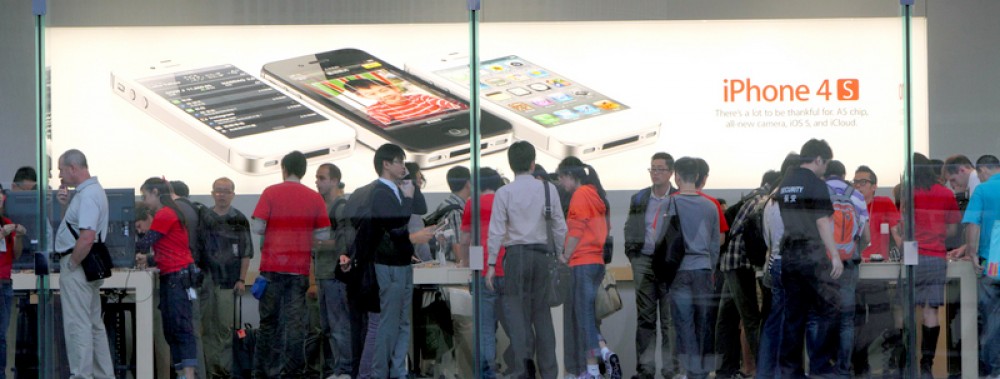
[
  {"x": 559, "y": 287},
  {"x": 670, "y": 248},
  {"x": 244, "y": 340},
  {"x": 608, "y": 299},
  {"x": 97, "y": 264}
]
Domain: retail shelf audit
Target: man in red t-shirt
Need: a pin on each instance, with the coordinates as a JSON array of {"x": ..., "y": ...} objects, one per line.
[
  {"x": 872, "y": 295},
  {"x": 291, "y": 217}
]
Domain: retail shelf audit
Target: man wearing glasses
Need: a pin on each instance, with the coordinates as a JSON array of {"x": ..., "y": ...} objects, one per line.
[
  {"x": 225, "y": 237},
  {"x": 650, "y": 293}
]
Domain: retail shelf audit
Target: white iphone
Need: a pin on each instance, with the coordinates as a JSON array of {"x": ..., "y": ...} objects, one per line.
[
  {"x": 233, "y": 115},
  {"x": 553, "y": 112}
]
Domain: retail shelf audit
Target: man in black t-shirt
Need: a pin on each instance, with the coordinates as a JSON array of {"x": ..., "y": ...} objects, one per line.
[{"x": 809, "y": 270}]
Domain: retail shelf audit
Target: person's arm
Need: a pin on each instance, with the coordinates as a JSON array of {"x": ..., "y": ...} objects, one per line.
[
  {"x": 866, "y": 235},
  {"x": 972, "y": 244},
  {"x": 498, "y": 229},
  {"x": 558, "y": 221},
  {"x": 825, "y": 226},
  {"x": 82, "y": 247},
  {"x": 258, "y": 226},
  {"x": 462, "y": 249}
]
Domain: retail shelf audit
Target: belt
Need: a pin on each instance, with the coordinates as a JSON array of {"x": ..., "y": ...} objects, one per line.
[{"x": 65, "y": 253}]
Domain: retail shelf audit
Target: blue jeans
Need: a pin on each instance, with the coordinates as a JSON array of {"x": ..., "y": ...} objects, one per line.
[
  {"x": 6, "y": 299},
  {"x": 283, "y": 316},
  {"x": 770, "y": 337},
  {"x": 392, "y": 341},
  {"x": 843, "y": 328},
  {"x": 335, "y": 319},
  {"x": 490, "y": 313},
  {"x": 809, "y": 290},
  {"x": 368, "y": 351},
  {"x": 178, "y": 321},
  {"x": 989, "y": 311},
  {"x": 581, "y": 338},
  {"x": 691, "y": 297}
]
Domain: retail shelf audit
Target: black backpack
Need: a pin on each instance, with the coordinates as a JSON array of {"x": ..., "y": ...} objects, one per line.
[{"x": 360, "y": 280}]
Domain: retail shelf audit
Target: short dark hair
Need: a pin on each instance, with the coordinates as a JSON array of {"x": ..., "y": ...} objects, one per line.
[
  {"x": 331, "y": 170},
  {"x": 702, "y": 171},
  {"x": 25, "y": 173},
  {"x": 771, "y": 178},
  {"x": 989, "y": 162},
  {"x": 142, "y": 211},
  {"x": 180, "y": 188},
  {"x": 521, "y": 155},
  {"x": 489, "y": 179},
  {"x": 815, "y": 148},
  {"x": 664, "y": 156},
  {"x": 412, "y": 168},
  {"x": 955, "y": 162},
  {"x": 387, "y": 152},
  {"x": 687, "y": 169},
  {"x": 354, "y": 85},
  {"x": 540, "y": 172},
  {"x": 457, "y": 177},
  {"x": 835, "y": 168},
  {"x": 294, "y": 163},
  {"x": 869, "y": 171}
]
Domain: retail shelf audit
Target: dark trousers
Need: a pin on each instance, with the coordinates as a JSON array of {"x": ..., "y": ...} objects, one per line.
[
  {"x": 691, "y": 298},
  {"x": 808, "y": 290},
  {"x": 872, "y": 319},
  {"x": 526, "y": 277},
  {"x": 739, "y": 303},
  {"x": 283, "y": 315},
  {"x": 652, "y": 302}
]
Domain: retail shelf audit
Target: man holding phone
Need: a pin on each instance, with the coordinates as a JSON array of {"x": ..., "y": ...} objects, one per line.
[{"x": 87, "y": 213}]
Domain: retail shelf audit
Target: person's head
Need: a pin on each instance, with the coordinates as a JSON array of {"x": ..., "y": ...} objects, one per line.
[
  {"x": 327, "y": 178},
  {"x": 573, "y": 173},
  {"x": 770, "y": 178},
  {"x": 180, "y": 189},
  {"x": 489, "y": 180},
  {"x": 73, "y": 168},
  {"x": 923, "y": 172},
  {"x": 866, "y": 182},
  {"x": 987, "y": 166},
  {"x": 702, "y": 173},
  {"x": 661, "y": 168},
  {"x": 521, "y": 156},
  {"x": 957, "y": 169},
  {"x": 792, "y": 160},
  {"x": 540, "y": 173},
  {"x": 415, "y": 174},
  {"x": 389, "y": 162},
  {"x": 156, "y": 194},
  {"x": 25, "y": 179},
  {"x": 143, "y": 217},
  {"x": 835, "y": 169},
  {"x": 374, "y": 90},
  {"x": 938, "y": 166},
  {"x": 223, "y": 192},
  {"x": 686, "y": 172},
  {"x": 293, "y": 165},
  {"x": 815, "y": 155},
  {"x": 459, "y": 180}
]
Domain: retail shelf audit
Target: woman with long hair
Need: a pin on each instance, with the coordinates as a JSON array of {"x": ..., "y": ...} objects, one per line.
[
  {"x": 935, "y": 218},
  {"x": 168, "y": 237},
  {"x": 587, "y": 223}
]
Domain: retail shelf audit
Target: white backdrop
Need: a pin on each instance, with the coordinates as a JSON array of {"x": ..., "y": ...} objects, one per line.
[{"x": 673, "y": 69}]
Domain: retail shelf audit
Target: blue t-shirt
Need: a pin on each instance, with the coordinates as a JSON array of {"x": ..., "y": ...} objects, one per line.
[{"x": 984, "y": 210}]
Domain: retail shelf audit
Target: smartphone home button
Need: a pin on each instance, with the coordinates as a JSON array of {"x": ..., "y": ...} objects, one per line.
[{"x": 455, "y": 132}]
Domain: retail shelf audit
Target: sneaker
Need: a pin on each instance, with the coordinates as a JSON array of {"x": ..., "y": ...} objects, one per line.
[{"x": 614, "y": 366}]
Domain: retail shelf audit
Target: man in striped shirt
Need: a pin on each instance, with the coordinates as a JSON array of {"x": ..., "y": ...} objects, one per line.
[{"x": 392, "y": 106}]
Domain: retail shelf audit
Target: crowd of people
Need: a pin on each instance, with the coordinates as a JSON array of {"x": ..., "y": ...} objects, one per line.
[{"x": 768, "y": 287}]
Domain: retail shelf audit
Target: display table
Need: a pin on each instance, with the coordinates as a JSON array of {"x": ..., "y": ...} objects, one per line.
[
  {"x": 139, "y": 283},
  {"x": 966, "y": 275}
]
